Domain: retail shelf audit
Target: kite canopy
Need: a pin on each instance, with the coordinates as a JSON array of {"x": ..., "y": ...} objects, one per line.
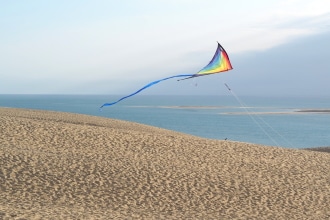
[{"x": 219, "y": 63}]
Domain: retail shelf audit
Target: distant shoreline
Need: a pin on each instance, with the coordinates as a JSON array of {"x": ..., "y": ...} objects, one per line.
[
  {"x": 315, "y": 110},
  {"x": 319, "y": 149},
  {"x": 226, "y": 107}
]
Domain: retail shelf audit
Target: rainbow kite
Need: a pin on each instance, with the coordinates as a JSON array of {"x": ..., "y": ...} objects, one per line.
[{"x": 219, "y": 63}]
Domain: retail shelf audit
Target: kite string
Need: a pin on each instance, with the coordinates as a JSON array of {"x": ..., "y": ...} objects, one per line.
[
  {"x": 268, "y": 125},
  {"x": 260, "y": 118},
  {"x": 253, "y": 119}
]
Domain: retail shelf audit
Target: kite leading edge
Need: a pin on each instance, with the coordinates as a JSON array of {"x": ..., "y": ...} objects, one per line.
[{"x": 219, "y": 63}]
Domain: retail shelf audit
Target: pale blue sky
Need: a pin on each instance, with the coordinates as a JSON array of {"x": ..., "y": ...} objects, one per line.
[{"x": 277, "y": 47}]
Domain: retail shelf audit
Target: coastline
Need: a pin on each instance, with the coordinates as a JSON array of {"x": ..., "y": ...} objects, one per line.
[
  {"x": 319, "y": 149},
  {"x": 291, "y": 111},
  {"x": 64, "y": 165}
]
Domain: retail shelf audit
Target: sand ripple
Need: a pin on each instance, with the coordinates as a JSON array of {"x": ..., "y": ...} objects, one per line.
[{"x": 69, "y": 166}]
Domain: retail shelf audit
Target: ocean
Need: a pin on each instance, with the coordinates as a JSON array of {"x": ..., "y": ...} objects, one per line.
[{"x": 270, "y": 121}]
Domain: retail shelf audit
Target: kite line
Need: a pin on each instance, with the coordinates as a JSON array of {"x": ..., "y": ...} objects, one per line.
[{"x": 244, "y": 106}]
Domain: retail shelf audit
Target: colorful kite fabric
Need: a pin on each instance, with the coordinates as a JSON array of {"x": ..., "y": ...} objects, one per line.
[{"x": 219, "y": 63}]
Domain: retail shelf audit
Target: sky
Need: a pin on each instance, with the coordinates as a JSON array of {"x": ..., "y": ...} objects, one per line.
[{"x": 277, "y": 47}]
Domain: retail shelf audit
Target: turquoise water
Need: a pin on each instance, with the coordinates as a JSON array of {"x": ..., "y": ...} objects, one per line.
[{"x": 261, "y": 120}]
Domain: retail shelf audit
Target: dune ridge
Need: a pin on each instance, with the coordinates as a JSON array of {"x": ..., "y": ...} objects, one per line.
[{"x": 56, "y": 165}]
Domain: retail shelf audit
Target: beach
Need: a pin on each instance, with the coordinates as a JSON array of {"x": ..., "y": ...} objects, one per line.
[{"x": 56, "y": 165}]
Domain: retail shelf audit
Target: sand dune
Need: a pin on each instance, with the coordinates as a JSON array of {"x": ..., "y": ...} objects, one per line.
[{"x": 69, "y": 166}]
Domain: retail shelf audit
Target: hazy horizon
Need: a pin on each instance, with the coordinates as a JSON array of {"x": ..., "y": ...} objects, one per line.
[{"x": 277, "y": 48}]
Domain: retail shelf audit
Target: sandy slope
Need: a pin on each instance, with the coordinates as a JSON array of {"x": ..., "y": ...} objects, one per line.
[{"x": 69, "y": 166}]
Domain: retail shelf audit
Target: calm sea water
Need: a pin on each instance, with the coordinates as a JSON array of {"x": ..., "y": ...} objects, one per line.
[{"x": 268, "y": 121}]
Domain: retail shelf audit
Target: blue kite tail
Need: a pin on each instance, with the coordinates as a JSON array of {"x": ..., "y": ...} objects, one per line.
[{"x": 143, "y": 88}]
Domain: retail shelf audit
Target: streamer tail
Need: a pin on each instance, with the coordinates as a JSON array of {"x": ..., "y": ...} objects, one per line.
[{"x": 145, "y": 87}]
